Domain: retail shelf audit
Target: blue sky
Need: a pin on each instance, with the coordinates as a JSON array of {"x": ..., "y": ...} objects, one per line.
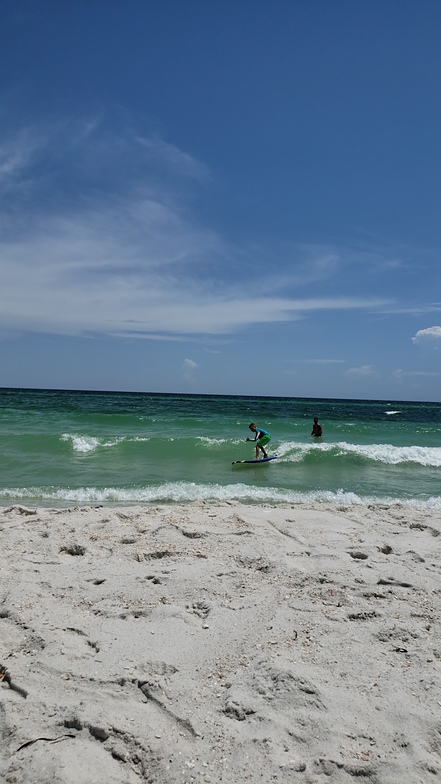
[{"x": 218, "y": 196}]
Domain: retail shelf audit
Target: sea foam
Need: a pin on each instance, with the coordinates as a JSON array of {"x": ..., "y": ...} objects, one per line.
[
  {"x": 188, "y": 492},
  {"x": 380, "y": 453}
]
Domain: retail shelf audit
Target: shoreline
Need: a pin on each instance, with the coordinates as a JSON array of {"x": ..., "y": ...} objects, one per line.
[
  {"x": 220, "y": 642},
  {"x": 325, "y": 500}
]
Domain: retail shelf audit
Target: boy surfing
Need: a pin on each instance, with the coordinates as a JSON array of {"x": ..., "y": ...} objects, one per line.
[{"x": 261, "y": 437}]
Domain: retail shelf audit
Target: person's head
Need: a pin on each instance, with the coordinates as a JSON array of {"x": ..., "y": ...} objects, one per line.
[
  {"x": 253, "y": 427},
  {"x": 315, "y": 420}
]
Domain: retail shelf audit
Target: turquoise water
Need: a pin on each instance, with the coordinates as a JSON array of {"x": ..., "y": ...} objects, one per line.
[{"x": 61, "y": 448}]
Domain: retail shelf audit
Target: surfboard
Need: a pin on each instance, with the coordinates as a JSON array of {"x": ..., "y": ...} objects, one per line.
[{"x": 253, "y": 462}]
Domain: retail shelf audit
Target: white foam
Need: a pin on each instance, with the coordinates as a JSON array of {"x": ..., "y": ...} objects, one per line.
[
  {"x": 393, "y": 455},
  {"x": 293, "y": 452},
  {"x": 185, "y": 492},
  {"x": 91, "y": 443},
  {"x": 206, "y": 441},
  {"x": 81, "y": 443}
]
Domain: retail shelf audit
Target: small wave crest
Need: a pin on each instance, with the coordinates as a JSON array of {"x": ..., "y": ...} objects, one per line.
[
  {"x": 394, "y": 455},
  {"x": 188, "y": 492},
  {"x": 84, "y": 444},
  {"x": 380, "y": 453},
  {"x": 207, "y": 441}
]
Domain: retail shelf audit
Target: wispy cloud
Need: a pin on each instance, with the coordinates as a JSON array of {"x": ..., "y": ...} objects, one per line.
[
  {"x": 422, "y": 309},
  {"x": 362, "y": 372},
  {"x": 169, "y": 155},
  {"x": 104, "y": 242},
  {"x": 401, "y": 374},
  {"x": 320, "y": 361},
  {"x": 78, "y": 280},
  {"x": 189, "y": 368},
  {"x": 16, "y": 155}
]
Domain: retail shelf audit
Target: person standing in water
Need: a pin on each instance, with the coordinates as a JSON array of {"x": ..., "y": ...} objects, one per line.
[
  {"x": 317, "y": 430},
  {"x": 261, "y": 437}
]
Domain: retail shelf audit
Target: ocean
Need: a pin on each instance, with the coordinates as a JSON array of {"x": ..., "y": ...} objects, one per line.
[{"x": 71, "y": 448}]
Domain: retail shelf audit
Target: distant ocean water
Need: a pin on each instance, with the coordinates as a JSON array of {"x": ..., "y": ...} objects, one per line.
[{"x": 63, "y": 448}]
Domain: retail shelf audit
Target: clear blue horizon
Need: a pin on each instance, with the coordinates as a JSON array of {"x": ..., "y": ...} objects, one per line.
[
  {"x": 180, "y": 394},
  {"x": 221, "y": 198}
]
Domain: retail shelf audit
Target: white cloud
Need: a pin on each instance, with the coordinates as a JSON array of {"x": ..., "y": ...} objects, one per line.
[
  {"x": 189, "y": 367},
  {"x": 431, "y": 333}
]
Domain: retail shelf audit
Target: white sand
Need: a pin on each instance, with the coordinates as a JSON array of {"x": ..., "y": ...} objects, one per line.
[{"x": 220, "y": 643}]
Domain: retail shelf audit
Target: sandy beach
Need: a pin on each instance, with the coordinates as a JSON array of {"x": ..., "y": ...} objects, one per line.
[{"x": 220, "y": 643}]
